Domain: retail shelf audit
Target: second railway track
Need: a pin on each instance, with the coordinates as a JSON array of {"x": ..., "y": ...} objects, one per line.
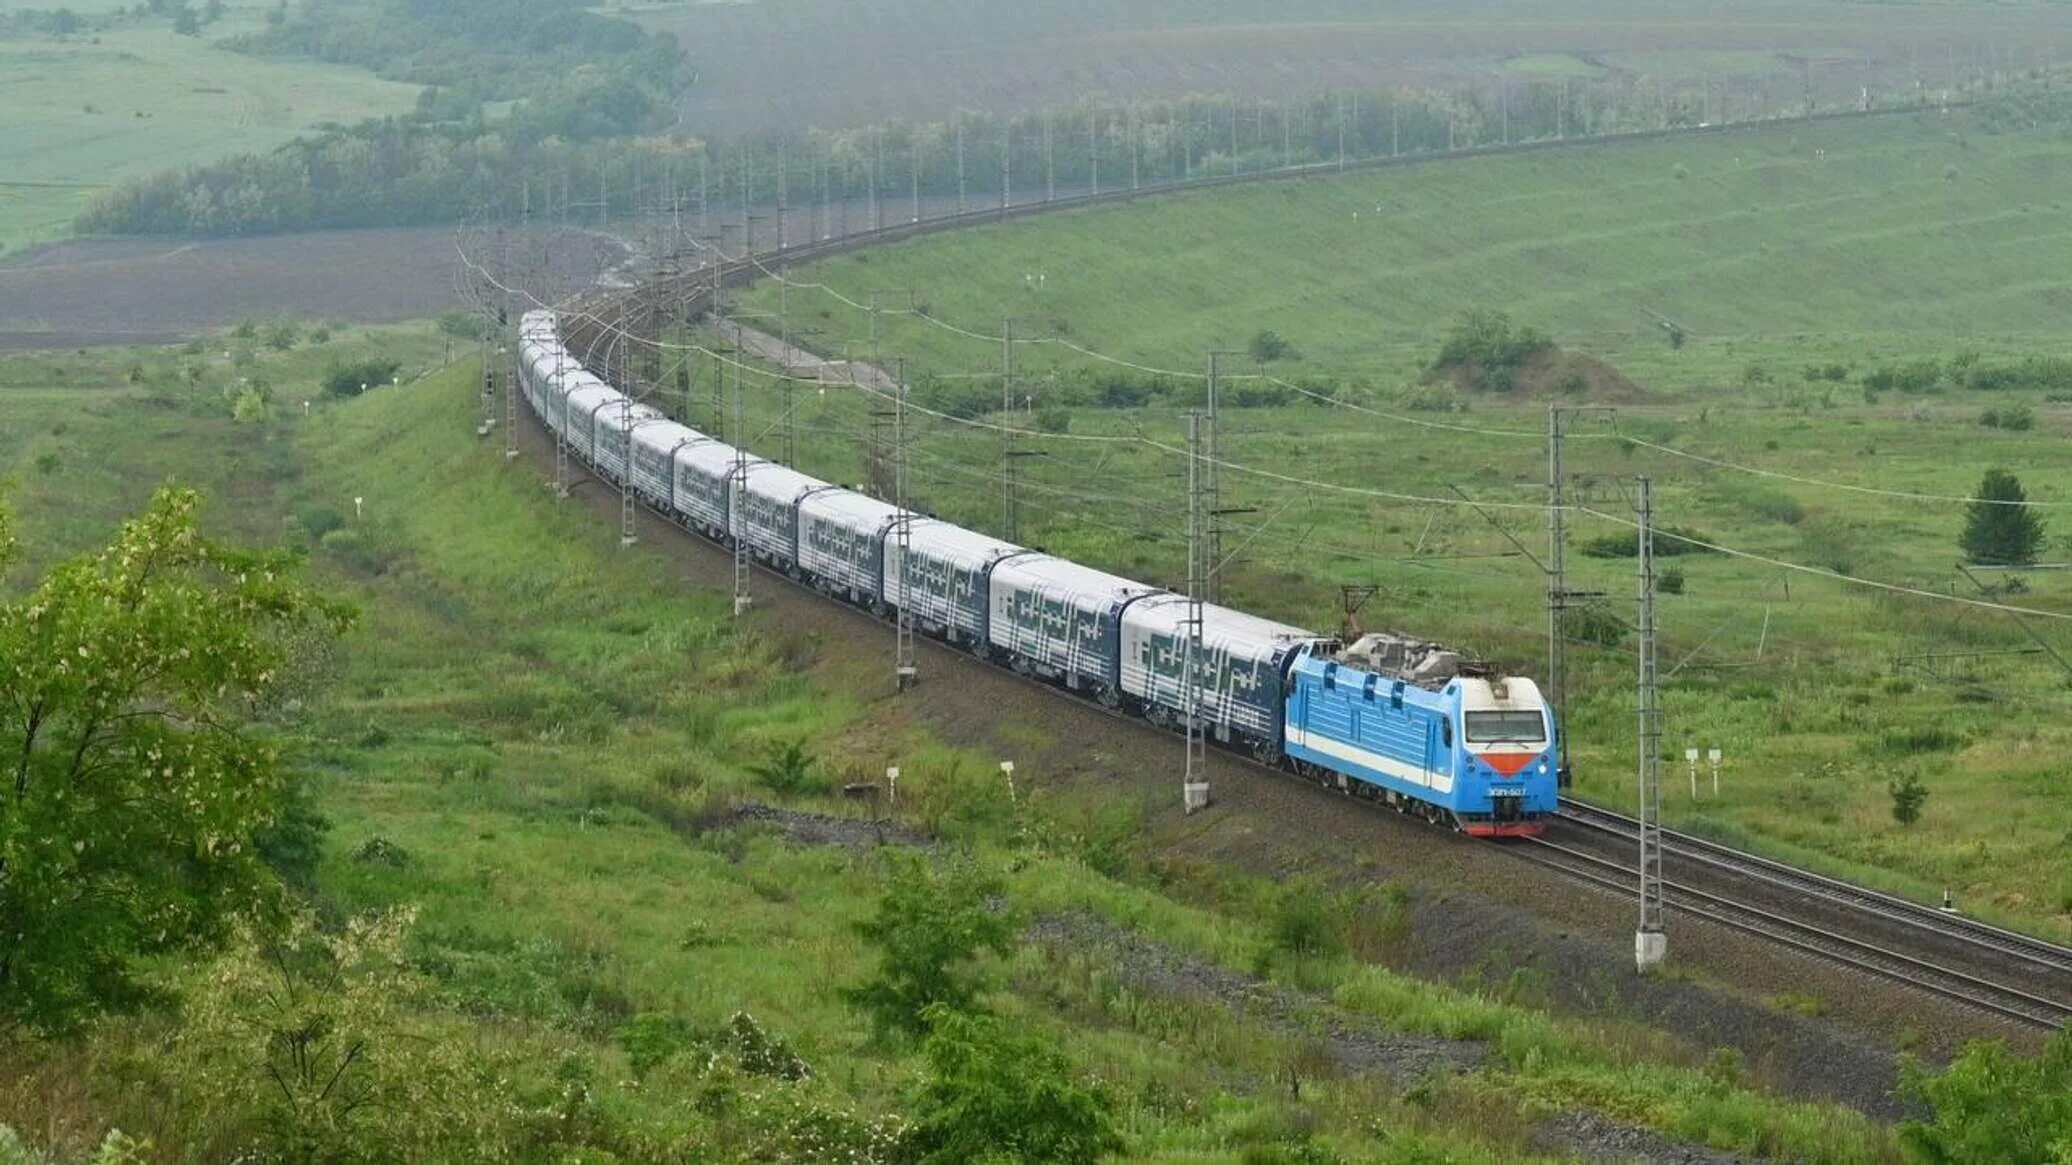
[{"x": 2014, "y": 976}]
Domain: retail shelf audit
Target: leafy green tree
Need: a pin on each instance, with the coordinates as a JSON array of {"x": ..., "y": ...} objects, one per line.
[
  {"x": 1998, "y": 530},
  {"x": 135, "y": 786},
  {"x": 1992, "y": 1105},
  {"x": 994, "y": 1094},
  {"x": 186, "y": 23},
  {"x": 930, "y": 929}
]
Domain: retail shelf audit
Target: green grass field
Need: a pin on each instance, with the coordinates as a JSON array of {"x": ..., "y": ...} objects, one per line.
[
  {"x": 533, "y": 734},
  {"x": 1781, "y": 251},
  {"x": 79, "y": 113}
]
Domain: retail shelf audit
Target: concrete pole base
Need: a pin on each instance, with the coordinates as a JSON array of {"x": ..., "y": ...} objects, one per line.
[
  {"x": 1194, "y": 795},
  {"x": 1650, "y": 947}
]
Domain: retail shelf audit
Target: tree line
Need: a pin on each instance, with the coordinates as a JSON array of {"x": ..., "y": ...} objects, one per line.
[{"x": 507, "y": 123}]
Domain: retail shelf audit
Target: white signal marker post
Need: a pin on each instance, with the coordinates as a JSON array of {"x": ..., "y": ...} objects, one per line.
[
  {"x": 1691, "y": 758},
  {"x": 1714, "y": 757}
]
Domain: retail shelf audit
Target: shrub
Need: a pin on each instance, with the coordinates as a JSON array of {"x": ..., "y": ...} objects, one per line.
[
  {"x": 929, "y": 930},
  {"x": 1908, "y": 797},
  {"x": 997, "y": 1093},
  {"x": 1919, "y": 738},
  {"x": 350, "y": 378},
  {"x": 1670, "y": 542},
  {"x": 281, "y": 335},
  {"x": 1487, "y": 343},
  {"x": 1992, "y": 1105},
  {"x": 1593, "y": 625},
  {"x": 1670, "y": 582},
  {"x": 1307, "y": 920},
  {"x": 1774, "y": 505},
  {"x": 47, "y": 463},
  {"x": 2018, "y": 418},
  {"x": 789, "y": 770},
  {"x": 1267, "y": 346}
]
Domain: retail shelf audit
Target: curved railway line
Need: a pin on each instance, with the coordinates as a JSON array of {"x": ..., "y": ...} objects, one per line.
[{"x": 2010, "y": 976}]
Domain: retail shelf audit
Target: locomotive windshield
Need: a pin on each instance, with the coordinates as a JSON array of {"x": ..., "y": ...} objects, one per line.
[{"x": 1506, "y": 728}]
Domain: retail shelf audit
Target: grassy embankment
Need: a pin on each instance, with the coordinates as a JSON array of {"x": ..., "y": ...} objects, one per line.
[
  {"x": 1790, "y": 255},
  {"x": 79, "y": 113},
  {"x": 535, "y": 737}
]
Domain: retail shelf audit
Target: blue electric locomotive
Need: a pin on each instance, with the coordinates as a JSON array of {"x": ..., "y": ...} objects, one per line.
[{"x": 1408, "y": 724}]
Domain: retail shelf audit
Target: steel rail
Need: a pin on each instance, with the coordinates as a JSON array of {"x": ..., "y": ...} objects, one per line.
[
  {"x": 2036, "y": 951},
  {"x": 1834, "y": 946}
]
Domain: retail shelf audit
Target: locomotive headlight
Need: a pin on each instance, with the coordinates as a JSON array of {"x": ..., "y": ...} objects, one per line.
[{"x": 1543, "y": 768}]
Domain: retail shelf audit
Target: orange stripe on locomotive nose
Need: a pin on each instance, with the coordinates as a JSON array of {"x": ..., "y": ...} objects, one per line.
[{"x": 1508, "y": 763}]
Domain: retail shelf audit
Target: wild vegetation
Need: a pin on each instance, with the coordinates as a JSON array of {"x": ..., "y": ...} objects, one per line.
[
  {"x": 535, "y": 914},
  {"x": 1810, "y": 360}
]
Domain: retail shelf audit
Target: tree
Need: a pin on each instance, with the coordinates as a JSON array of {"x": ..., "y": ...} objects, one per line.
[
  {"x": 186, "y": 23},
  {"x": 996, "y": 1095},
  {"x": 1998, "y": 529},
  {"x": 134, "y": 785},
  {"x": 930, "y": 928},
  {"x": 1991, "y": 1105}
]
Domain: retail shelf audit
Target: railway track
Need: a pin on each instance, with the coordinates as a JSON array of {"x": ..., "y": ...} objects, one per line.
[{"x": 2014, "y": 976}]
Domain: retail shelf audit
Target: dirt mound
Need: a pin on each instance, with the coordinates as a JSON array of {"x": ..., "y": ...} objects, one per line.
[{"x": 1548, "y": 374}]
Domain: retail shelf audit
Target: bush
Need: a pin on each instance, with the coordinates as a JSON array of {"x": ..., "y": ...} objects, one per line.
[
  {"x": 1486, "y": 343},
  {"x": 1593, "y": 625},
  {"x": 1670, "y": 542},
  {"x": 1774, "y": 505},
  {"x": 1670, "y": 582},
  {"x": 997, "y": 1093},
  {"x": 1267, "y": 346},
  {"x": 1992, "y": 1105},
  {"x": 350, "y": 378},
  {"x": 929, "y": 929},
  {"x": 1307, "y": 920},
  {"x": 2018, "y": 418},
  {"x": 1908, "y": 797},
  {"x": 789, "y": 770}
]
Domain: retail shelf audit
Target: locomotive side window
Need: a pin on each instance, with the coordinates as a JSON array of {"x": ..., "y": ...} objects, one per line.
[{"x": 1506, "y": 728}]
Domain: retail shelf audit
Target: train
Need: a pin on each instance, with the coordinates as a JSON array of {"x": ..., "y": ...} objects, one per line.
[{"x": 1388, "y": 717}]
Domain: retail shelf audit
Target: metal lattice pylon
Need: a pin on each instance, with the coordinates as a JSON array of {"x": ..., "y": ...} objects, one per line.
[
  {"x": 517, "y": 382},
  {"x": 1651, "y": 940},
  {"x": 738, "y": 514},
  {"x": 1194, "y": 787},
  {"x": 561, "y": 435},
  {"x": 627, "y": 535},
  {"x": 905, "y": 657}
]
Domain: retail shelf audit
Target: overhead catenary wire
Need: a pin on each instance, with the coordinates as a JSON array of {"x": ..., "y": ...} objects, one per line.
[{"x": 1289, "y": 479}]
